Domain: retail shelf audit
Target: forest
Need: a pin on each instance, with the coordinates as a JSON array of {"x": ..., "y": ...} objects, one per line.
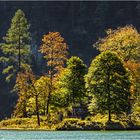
[{"x": 55, "y": 89}]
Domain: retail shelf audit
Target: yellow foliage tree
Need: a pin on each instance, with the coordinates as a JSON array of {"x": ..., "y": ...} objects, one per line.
[
  {"x": 124, "y": 41},
  {"x": 42, "y": 88},
  {"x": 39, "y": 89}
]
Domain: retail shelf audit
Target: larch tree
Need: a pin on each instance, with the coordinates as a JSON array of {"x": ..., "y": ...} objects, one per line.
[
  {"x": 109, "y": 82},
  {"x": 22, "y": 87},
  {"x": 55, "y": 52},
  {"x": 16, "y": 46}
]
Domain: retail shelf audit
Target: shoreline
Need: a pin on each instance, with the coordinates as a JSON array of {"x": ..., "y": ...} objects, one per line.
[
  {"x": 40, "y": 129},
  {"x": 68, "y": 124}
]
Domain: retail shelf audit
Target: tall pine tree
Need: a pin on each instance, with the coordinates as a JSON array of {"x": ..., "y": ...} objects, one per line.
[{"x": 16, "y": 46}]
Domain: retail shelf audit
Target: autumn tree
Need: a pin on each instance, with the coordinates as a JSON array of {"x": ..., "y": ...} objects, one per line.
[
  {"x": 134, "y": 67},
  {"x": 22, "y": 87},
  {"x": 72, "y": 83},
  {"x": 109, "y": 82},
  {"x": 16, "y": 46},
  {"x": 34, "y": 93},
  {"x": 54, "y": 50},
  {"x": 124, "y": 41},
  {"x": 61, "y": 93},
  {"x": 42, "y": 88},
  {"x": 60, "y": 98},
  {"x": 29, "y": 89},
  {"x": 136, "y": 110},
  {"x": 136, "y": 85}
]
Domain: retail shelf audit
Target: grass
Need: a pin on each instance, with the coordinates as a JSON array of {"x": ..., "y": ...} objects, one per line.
[
  {"x": 96, "y": 122},
  {"x": 24, "y": 123}
]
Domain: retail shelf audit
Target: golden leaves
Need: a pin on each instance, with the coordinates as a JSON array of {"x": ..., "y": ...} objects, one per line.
[
  {"x": 124, "y": 41},
  {"x": 23, "y": 80},
  {"x": 134, "y": 68},
  {"x": 55, "y": 50}
]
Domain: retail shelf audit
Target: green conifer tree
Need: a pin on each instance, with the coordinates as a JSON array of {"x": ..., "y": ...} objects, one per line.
[
  {"x": 72, "y": 83},
  {"x": 109, "y": 82},
  {"x": 16, "y": 46}
]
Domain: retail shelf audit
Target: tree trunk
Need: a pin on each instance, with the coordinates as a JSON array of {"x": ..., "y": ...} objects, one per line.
[
  {"x": 109, "y": 109},
  {"x": 109, "y": 115},
  {"x": 19, "y": 53},
  {"x": 44, "y": 109},
  {"x": 108, "y": 92},
  {"x": 37, "y": 110},
  {"x": 49, "y": 97},
  {"x": 50, "y": 91},
  {"x": 48, "y": 103},
  {"x": 73, "y": 103},
  {"x": 24, "y": 109}
]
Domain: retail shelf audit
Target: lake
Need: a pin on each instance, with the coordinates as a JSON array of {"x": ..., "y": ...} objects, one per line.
[{"x": 69, "y": 135}]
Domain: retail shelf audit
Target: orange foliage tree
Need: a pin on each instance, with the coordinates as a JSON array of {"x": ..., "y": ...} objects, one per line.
[
  {"x": 55, "y": 52},
  {"x": 134, "y": 67},
  {"x": 21, "y": 87}
]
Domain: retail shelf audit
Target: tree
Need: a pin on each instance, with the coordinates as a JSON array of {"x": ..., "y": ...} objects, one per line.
[
  {"x": 136, "y": 110},
  {"x": 60, "y": 103},
  {"x": 42, "y": 87},
  {"x": 61, "y": 93},
  {"x": 109, "y": 82},
  {"x": 124, "y": 41},
  {"x": 22, "y": 87},
  {"x": 54, "y": 49},
  {"x": 72, "y": 83},
  {"x": 134, "y": 67},
  {"x": 16, "y": 46},
  {"x": 39, "y": 89},
  {"x": 135, "y": 89},
  {"x": 30, "y": 89}
]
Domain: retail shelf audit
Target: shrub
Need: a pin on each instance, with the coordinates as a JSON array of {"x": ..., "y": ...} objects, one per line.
[{"x": 78, "y": 124}]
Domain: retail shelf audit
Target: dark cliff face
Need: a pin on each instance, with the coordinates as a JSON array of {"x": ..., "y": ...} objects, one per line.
[{"x": 80, "y": 23}]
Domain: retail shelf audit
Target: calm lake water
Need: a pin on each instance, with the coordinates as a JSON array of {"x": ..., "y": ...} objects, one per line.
[{"x": 69, "y": 135}]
